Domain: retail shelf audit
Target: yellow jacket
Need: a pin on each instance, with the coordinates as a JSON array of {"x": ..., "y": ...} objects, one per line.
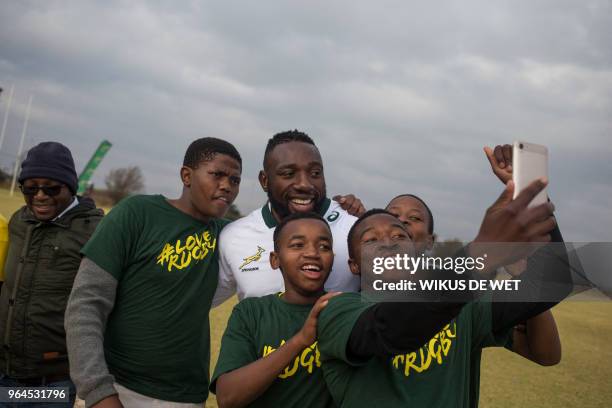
[{"x": 3, "y": 244}]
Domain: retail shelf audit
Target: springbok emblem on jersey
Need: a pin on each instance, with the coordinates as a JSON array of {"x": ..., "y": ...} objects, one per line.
[{"x": 252, "y": 258}]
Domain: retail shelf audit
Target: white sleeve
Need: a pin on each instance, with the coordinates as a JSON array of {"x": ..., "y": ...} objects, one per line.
[{"x": 226, "y": 287}]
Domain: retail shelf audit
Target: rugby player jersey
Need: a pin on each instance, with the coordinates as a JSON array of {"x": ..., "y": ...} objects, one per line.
[{"x": 244, "y": 255}]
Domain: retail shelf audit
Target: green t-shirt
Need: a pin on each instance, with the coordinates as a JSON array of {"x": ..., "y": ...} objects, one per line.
[
  {"x": 256, "y": 328},
  {"x": 439, "y": 374},
  {"x": 157, "y": 339},
  {"x": 505, "y": 340}
]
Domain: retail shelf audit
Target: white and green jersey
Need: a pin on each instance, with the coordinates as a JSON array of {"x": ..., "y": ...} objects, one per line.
[{"x": 244, "y": 255}]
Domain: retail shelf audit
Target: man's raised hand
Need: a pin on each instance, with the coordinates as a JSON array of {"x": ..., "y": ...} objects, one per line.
[{"x": 500, "y": 160}]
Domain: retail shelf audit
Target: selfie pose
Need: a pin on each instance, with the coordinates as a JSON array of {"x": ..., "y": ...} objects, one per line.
[
  {"x": 536, "y": 339},
  {"x": 420, "y": 353}
]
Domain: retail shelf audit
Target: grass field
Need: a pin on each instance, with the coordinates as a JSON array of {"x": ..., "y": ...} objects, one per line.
[{"x": 582, "y": 379}]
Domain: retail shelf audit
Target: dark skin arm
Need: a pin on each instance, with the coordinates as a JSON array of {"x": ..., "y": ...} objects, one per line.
[
  {"x": 537, "y": 339},
  {"x": 350, "y": 204},
  {"x": 240, "y": 387},
  {"x": 109, "y": 402}
]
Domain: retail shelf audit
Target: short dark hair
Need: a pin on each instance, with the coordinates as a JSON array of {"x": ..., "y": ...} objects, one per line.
[
  {"x": 206, "y": 149},
  {"x": 286, "y": 137},
  {"x": 364, "y": 216},
  {"x": 429, "y": 213},
  {"x": 293, "y": 217}
]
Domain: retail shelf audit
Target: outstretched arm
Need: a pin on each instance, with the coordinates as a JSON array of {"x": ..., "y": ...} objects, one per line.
[
  {"x": 394, "y": 328},
  {"x": 546, "y": 282}
]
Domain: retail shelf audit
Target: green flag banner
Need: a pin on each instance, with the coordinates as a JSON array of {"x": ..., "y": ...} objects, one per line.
[{"x": 92, "y": 165}]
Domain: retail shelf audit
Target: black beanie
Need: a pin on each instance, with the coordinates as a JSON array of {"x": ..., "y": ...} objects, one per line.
[{"x": 50, "y": 160}]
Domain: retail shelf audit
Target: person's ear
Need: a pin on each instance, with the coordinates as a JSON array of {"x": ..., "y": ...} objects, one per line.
[
  {"x": 263, "y": 180},
  {"x": 186, "y": 176},
  {"x": 354, "y": 267},
  {"x": 431, "y": 240},
  {"x": 274, "y": 260}
]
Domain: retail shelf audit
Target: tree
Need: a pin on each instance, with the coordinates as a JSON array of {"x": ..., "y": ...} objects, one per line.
[
  {"x": 5, "y": 176},
  {"x": 123, "y": 182}
]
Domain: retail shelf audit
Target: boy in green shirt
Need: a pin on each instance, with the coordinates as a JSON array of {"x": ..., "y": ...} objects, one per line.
[
  {"x": 539, "y": 342},
  {"x": 417, "y": 353},
  {"x": 269, "y": 355},
  {"x": 137, "y": 320}
]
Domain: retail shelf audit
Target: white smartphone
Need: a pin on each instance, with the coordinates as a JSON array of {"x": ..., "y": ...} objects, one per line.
[{"x": 529, "y": 162}]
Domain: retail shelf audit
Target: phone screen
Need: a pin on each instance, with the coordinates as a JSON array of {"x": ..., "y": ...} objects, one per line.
[{"x": 529, "y": 163}]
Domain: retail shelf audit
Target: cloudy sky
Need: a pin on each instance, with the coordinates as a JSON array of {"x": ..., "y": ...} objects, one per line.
[{"x": 399, "y": 96}]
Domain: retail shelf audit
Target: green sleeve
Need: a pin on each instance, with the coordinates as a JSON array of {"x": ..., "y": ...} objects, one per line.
[
  {"x": 238, "y": 347},
  {"x": 335, "y": 325},
  {"x": 110, "y": 246},
  {"x": 223, "y": 222},
  {"x": 482, "y": 326}
]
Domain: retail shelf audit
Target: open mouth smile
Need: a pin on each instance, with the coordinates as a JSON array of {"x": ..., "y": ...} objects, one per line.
[
  {"x": 302, "y": 203},
  {"x": 311, "y": 271}
]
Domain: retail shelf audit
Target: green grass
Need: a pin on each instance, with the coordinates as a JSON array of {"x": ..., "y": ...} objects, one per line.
[
  {"x": 582, "y": 379},
  {"x": 218, "y": 321}
]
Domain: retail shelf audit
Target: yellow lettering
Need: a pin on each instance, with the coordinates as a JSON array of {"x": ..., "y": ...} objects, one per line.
[
  {"x": 396, "y": 360},
  {"x": 307, "y": 363},
  {"x": 410, "y": 363},
  {"x": 179, "y": 249},
  {"x": 289, "y": 371},
  {"x": 190, "y": 242},
  {"x": 436, "y": 349},
  {"x": 178, "y": 256},
  {"x": 309, "y": 358},
  {"x": 165, "y": 254}
]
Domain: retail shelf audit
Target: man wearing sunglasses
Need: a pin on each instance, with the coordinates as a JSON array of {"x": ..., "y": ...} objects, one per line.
[{"x": 45, "y": 240}]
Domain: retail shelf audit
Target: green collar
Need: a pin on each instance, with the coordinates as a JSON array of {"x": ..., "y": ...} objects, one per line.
[{"x": 270, "y": 221}]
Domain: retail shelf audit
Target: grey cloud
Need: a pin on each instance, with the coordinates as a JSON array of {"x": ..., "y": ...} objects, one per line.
[{"x": 399, "y": 97}]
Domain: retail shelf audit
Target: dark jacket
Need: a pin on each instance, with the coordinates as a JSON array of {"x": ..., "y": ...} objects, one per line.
[{"x": 42, "y": 261}]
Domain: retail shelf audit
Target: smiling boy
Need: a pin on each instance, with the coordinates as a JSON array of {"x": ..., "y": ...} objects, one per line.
[{"x": 269, "y": 355}]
